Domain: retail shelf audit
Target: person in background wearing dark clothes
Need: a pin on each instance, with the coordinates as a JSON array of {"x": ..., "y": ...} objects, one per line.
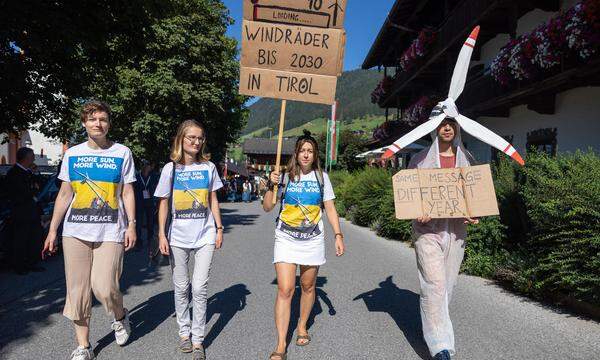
[
  {"x": 26, "y": 241},
  {"x": 146, "y": 181}
]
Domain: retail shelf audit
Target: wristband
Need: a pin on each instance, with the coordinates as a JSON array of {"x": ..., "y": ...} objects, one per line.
[
  {"x": 340, "y": 234},
  {"x": 270, "y": 185},
  {"x": 220, "y": 228}
]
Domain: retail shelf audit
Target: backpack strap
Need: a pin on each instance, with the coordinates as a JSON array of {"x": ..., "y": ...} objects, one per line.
[
  {"x": 321, "y": 181},
  {"x": 286, "y": 181},
  {"x": 170, "y": 214}
]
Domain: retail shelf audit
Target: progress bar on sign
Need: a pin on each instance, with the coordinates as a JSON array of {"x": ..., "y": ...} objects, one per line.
[{"x": 283, "y": 15}]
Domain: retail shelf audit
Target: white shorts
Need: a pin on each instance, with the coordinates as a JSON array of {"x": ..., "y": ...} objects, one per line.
[{"x": 301, "y": 252}]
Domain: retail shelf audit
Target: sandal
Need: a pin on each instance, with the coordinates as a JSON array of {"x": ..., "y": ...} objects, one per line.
[
  {"x": 185, "y": 345},
  {"x": 303, "y": 337},
  {"x": 282, "y": 356}
]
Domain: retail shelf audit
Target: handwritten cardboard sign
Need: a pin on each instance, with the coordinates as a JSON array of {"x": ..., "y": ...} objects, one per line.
[
  {"x": 316, "y": 13},
  {"x": 288, "y": 85},
  {"x": 292, "y": 48},
  {"x": 445, "y": 193}
]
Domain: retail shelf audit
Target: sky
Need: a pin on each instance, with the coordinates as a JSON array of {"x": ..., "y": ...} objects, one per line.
[{"x": 363, "y": 20}]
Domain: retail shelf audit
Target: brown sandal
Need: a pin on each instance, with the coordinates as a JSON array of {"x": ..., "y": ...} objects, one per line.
[
  {"x": 303, "y": 337},
  {"x": 282, "y": 356}
]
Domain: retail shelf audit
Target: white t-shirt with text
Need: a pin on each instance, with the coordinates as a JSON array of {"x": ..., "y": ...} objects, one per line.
[
  {"x": 301, "y": 217},
  {"x": 96, "y": 212},
  {"x": 192, "y": 224}
]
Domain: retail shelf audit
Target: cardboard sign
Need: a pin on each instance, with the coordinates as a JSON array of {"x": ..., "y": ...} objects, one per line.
[
  {"x": 288, "y": 85},
  {"x": 292, "y": 48},
  {"x": 445, "y": 193},
  {"x": 316, "y": 13}
]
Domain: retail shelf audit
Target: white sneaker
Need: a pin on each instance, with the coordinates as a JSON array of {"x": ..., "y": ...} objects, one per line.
[
  {"x": 82, "y": 353},
  {"x": 122, "y": 328}
]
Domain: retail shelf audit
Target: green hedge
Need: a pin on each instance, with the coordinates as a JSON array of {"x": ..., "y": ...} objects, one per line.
[{"x": 546, "y": 240}]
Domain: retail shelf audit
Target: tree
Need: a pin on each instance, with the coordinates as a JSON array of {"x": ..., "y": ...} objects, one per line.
[
  {"x": 156, "y": 62},
  {"x": 186, "y": 69},
  {"x": 350, "y": 145},
  {"x": 51, "y": 50}
]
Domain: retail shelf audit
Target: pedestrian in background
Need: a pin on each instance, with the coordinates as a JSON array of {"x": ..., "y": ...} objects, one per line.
[
  {"x": 247, "y": 191},
  {"x": 188, "y": 198},
  {"x": 299, "y": 236},
  {"x": 98, "y": 198},
  {"x": 26, "y": 229},
  {"x": 145, "y": 206}
]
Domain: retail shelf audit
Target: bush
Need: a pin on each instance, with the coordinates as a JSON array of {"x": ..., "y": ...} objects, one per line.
[
  {"x": 364, "y": 193},
  {"x": 562, "y": 198},
  {"x": 339, "y": 180},
  {"x": 484, "y": 250},
  {"x": 387, "y": 225}
]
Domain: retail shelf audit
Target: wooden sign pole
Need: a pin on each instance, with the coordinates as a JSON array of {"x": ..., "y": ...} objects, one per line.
[{"x": 279, "y": 146}]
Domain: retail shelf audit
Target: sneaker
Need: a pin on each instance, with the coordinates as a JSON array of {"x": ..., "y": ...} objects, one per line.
[
  {"x": 82, "y": 353},
  {"x": 442, "y": 355},
  {"x": 198, "y": 353},
  {"x": 122, "y": 328}
]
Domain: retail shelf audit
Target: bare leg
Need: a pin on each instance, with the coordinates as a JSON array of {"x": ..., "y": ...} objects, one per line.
[
  {"x": 286, "y": 282},
  {"x": 308, "y": 280},
  {"x": 82, "y": 332}
]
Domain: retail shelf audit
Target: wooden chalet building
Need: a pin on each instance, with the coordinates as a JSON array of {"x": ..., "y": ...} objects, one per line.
[
  {"x": 261, "y": 153},
  {"x": 534, "y": 96}
]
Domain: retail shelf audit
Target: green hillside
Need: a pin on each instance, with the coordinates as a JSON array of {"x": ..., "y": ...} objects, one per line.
[
  {"x": 317, "y": 126},
  {"x": 353, "y": 92}
]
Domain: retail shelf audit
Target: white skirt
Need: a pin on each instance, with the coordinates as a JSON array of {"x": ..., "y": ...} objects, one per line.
[{"x": 301, "y": 252}]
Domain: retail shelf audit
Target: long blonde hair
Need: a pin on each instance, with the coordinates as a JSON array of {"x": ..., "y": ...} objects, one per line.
[
  {"x": 177, "y": 147},
  {"x": 293, "y": 167}
]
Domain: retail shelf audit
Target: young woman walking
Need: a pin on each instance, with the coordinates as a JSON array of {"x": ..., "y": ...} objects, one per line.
[
  {"x": 299, "y": 236},
  {"x": 187, "y": 191},
  {"x": 97, "y": 195}
]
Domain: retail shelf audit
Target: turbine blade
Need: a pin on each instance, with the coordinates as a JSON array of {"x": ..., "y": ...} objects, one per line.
[
  {"x": 459, "y": 76},
  {"x": 414, "y": 135},
  {"x": 489, "y": 137}
]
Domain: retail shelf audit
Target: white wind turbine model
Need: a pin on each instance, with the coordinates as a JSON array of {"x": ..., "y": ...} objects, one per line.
[{"x": 447, "y": 108}]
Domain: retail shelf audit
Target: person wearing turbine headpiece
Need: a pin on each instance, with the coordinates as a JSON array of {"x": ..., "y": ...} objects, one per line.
[{"x": 439, "y": 243}]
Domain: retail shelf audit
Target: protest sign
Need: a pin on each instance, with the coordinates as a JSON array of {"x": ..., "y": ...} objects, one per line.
[
  {"x": 292, "y": 48},
  {"x": 316, "y": 13},
  {"x": 445, "y": 193},
  {"x": 288, "y": 85}
]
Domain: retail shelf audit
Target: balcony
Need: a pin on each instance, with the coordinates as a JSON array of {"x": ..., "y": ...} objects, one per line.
[
  {"x": 485, "y": 97},
  {"x": 435, "y": 70}
]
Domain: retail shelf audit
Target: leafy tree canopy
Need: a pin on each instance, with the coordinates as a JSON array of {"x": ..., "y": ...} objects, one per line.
[{"x": 156, "y": 62}]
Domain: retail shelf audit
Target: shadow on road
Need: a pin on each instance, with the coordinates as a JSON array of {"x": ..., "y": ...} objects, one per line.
[
  {"x": 320, "y": 295},
  {"x": 30, "y": 313},
  {"x": 403, "y": 306},
  {"x": 230, "y": 219},
  {"x": 144, "y": 317},
  {"x": 227, "y": 303}
]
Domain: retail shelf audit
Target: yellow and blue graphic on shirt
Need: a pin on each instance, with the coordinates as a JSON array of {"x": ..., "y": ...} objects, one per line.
[
  {"x": 95, "y": 180},
  {"x": 190, "y": 194},
  {"x": 301, "y": 210}
]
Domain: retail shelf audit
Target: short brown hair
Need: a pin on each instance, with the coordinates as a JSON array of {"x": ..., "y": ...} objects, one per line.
[{"x": 93, "y": 106}]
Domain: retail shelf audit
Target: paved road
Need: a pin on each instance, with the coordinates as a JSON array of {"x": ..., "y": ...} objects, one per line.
[{"x": 367, "y": 308}]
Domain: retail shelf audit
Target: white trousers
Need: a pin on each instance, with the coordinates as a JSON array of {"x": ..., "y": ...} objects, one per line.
[
  {"x": 180, "y": 258},
  {"x": 438, "y": 261}
]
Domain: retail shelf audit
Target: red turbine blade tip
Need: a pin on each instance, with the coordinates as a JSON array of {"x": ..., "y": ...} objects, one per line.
[
  {"x": 518, "y": 158},
  {"x": 474, "y": 33},
  {"x": 387, "y": 154}
]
